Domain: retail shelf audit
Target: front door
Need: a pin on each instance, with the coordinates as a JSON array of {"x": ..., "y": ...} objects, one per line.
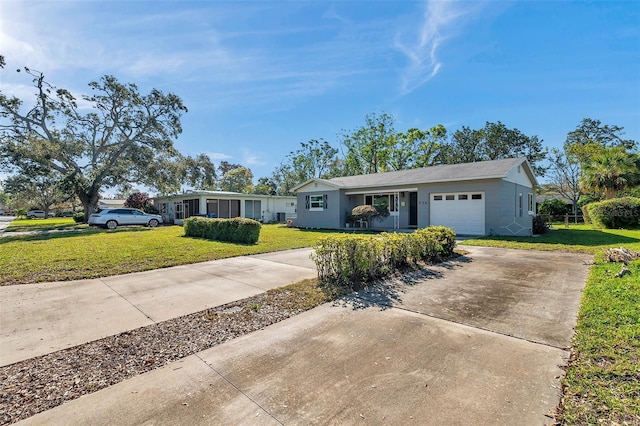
[{"x": 413, "y": 209}]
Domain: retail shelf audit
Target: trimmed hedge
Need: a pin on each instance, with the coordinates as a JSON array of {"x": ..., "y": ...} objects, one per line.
[
  {"x": 353, "y": 260},
  {"x": 615, "y": 213},
  {"x": 237, "y": 230}
]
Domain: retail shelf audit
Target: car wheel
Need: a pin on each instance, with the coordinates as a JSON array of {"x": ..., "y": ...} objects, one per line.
[
  {"x": 112, "y": 224},
  {"x": 153, "y": 223}
]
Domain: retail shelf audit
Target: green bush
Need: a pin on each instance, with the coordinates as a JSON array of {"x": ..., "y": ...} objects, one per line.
[
  {"x": 237, "y": 230},
  {"x": 615, "y": 213},
  {"x": 353, "y": 260},
  {"x": 538, "y": 226},
  {"x": 78, "y": 217},
  {"x": 553, "y": 207},
  {"x": 585, "y": 213}
]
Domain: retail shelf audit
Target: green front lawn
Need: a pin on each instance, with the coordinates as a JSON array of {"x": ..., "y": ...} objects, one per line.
[
  {"x": 602, "y": 383},
  {"x": 54, "y": 223},
  {"x": 577, "y": 238},
  {"x": 97, "y": 252}
]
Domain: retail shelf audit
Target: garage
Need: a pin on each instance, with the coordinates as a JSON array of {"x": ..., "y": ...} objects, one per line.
[{"x": 462, "y": 211}]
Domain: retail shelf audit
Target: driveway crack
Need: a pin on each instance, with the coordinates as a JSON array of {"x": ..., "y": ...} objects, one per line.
[
  {"x": 477, "y": 327},
  {"x": 238, "y": 389}
]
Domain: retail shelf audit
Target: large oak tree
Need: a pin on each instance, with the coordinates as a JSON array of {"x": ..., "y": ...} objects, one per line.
[{"x": 119, "y": 137}]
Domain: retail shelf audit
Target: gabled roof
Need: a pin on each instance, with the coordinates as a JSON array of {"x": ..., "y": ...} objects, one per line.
[{"x": 493, "y": 169}]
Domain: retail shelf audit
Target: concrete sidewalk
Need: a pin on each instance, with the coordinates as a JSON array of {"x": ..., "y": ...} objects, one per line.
[
  {"x": 467, "y": 342},
  {"x": 37, "y": 319}
]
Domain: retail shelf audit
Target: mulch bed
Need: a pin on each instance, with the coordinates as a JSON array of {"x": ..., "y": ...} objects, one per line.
[{"x": 39, "y": 384}]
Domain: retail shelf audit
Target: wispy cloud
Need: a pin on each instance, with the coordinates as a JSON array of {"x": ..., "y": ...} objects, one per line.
[
  {"x": 422, "y": 51},
  {"x": 218, "y": 156},
  {"x": 252, "y": 158}
]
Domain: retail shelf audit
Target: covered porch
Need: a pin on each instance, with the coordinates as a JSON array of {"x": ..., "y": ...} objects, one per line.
[{"x": 401, "y": 203}]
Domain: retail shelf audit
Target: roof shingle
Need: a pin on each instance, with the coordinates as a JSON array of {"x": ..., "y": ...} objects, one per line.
[{"x": 493, "y": 169}]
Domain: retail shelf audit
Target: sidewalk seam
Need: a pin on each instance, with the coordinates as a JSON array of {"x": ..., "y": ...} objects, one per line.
[
  {"x": 238, "y": 389},
  {"x": 129, "y": 302}
]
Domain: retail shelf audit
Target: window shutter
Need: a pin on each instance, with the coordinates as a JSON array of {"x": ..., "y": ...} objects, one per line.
[
  {"x": 307, "y": 202},
  {"x": 324, "y": 204}
]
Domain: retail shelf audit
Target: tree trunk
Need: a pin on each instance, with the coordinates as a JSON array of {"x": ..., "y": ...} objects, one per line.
[{"x": 89, "y": 202}]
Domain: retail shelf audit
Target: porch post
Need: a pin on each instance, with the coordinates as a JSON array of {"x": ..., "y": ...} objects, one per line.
[{"x": 396, "y": 217}]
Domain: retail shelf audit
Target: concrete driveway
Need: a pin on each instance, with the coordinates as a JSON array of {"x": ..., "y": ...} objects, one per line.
[
  {"x": 480, "y": 340},
  {"x": 36, "y": 319}
]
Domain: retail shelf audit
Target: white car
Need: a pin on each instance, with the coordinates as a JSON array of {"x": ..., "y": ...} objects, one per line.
[
  {"x": 112, "y": 218},
  {"x": 32, "y": 214}
]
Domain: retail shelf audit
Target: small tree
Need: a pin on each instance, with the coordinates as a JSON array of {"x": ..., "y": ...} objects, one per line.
[
  {"x": 137, "y": 200},
  {"x": 553, "y": 207}
]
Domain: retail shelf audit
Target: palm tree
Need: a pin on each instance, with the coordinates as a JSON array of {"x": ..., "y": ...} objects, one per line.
[{"x": 609, "y": 171}]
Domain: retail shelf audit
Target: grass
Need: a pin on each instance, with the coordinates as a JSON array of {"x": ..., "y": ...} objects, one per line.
[
  {"x": 56, "y": 223},
  {"x": 577, "y": 238},
  {"x": 97, "y": 252},
  {"x": 602, "y": 382}
]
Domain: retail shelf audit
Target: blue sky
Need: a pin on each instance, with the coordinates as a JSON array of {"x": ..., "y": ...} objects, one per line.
[{"x": 260, "y": 77}]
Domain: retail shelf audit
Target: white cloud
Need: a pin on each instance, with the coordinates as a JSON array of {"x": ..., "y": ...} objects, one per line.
[
  {"x": 250, "y": 158},
  {"x": 218, "y": 156},
  {"x": 437, "y": 24}
]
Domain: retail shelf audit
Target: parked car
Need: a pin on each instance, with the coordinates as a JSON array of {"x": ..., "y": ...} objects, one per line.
[
  {"x": 112, "y": 218},
  {"x": 66, "y": 214},
  {"x": 32, "y": 214}
]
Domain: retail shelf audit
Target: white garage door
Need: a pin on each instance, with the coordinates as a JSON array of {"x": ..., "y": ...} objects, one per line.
[{"x": 462, "y": 211}]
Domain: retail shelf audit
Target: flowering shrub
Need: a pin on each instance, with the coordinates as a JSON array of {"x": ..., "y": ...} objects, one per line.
[
  {"x": 353, "y": 260},
  {"x": 366, "y": 212}
]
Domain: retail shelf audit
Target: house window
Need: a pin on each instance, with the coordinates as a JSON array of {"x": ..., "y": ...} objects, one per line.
[
  {"x": 253, "y": 209},
  {"x": 382, "y": 201},
  {"x": 450, "y": 197},
  {"x": 530, "y": 203},
  {"x": 476, "y": 196},
  {"x": 316, "y": 203},
  {"x": 463, "y": 197},
  {"x": 437, "y": 198},
  {"x": 186, "y": 208},
  {"x": 163, "y": 208},
  {"x": 179, "y": 209},
  {"x": 520, "y": 203}
]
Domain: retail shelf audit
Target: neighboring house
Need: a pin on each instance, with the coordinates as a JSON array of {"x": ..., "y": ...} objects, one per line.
[
  {"x": 264, "y": 208},
  {"x": 110, "y": 204},
  {"x": 482, "y": 198}
]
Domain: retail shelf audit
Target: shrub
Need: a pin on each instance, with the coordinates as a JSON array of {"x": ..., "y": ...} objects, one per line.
[
  {"x": 367, "y": 212},
  {"x": 151, "y": 209},
  {"x": 539, "y": 226},
  {"x": 353, "y": 260},
  {"x": 553, "y": 207},
  {"x": 615, "y": 213},
  {"x": 237, "y": 230},
  {"x": 585, "y": 213},
  {"x": 78, "y": 217}
]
